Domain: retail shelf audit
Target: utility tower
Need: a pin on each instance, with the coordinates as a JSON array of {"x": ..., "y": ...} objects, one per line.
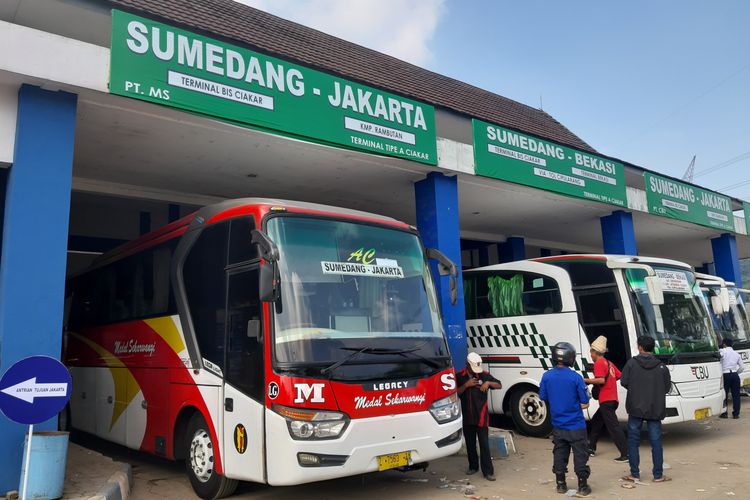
[{"x": 688, "y": 175}]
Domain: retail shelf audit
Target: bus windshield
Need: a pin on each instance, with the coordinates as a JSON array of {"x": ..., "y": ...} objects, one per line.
[
  {"x": 681, "y": 324},
  {"x": 354, "y": 295},
  {"x": 731, "y": 324}
]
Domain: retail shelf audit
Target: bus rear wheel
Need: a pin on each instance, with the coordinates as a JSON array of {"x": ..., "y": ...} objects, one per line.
[
  {"x": 199, "y": 462},
  {"x": 530, "y": 413}
]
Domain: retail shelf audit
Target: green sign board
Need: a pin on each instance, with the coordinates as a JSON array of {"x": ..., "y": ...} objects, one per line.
[
  {"x": 746, "y": 210},
  {"x": 511, "y": 156},
  {"x": 162, "y": 64},
  {"x": 682, "y": 201}
]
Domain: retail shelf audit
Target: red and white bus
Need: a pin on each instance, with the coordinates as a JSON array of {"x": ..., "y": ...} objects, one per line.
[{"x": 268, "y": 341}]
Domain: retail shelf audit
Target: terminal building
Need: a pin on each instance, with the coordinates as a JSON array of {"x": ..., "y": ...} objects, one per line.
[{"x": 118, "y": 117}]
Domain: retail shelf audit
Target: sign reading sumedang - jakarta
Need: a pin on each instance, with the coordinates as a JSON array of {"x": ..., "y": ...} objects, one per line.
[
  {"x": 515, "y": 157},
  {"x": 166, "y": 65},
  {"x": 682, "y": 201}
]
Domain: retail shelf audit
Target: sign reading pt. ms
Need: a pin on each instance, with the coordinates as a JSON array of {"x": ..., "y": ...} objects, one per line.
[
  {"x": 511, "y": 156},
  {"x": 689, "y": 203},
  {"x": 173, "y": 67}
]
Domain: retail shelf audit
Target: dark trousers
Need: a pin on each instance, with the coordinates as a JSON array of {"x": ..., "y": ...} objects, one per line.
[
  {"x": 732, "y": 384},
  {"x": 606, "y": 418},
  {"x": 634, "y": 442},
  {"x": 472, "y": 433},
  {"x": 564, "y": 441}
]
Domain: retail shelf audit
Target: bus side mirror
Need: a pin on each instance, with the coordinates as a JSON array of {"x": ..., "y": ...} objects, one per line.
[
  {"x": 269, "y": 270},
  {"x": 269, "y": 282},
  {"x": 716, "y": 305},
  {"x": 655, "y": 292},
  {"x": 724, "y": 296},
  {"x": 446, "y": 267}
]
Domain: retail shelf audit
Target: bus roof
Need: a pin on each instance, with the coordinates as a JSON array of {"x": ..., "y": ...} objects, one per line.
[
  {"x": 217, "y": 212},
  {"x": 615, "y": 258}
]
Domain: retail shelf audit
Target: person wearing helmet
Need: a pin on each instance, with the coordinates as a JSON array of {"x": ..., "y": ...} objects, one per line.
[
  {"x": 564, "y": 393},
  {"x": 474, "y": 384}
]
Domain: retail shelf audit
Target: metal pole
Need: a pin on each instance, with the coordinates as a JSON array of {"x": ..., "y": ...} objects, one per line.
[{"x": 28, "y": 460}]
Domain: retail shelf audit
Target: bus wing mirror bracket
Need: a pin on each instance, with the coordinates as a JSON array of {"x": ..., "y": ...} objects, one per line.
[
  {"x": 269, "y": 270},
  {"x": 446, "y": 267},
  {"x": 654, "y": 289}
]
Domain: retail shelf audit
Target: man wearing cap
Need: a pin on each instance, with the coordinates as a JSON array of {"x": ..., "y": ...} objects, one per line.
[
  {"x": 473, "y": 386},
  {"x": 605, "y": 378}
]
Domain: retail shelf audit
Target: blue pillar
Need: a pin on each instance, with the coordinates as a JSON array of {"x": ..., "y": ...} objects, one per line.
[
  {"x": 618, "y": 233},
  {"x": 437, "y": 220},
  {"x": 511, "y": 250},
  {"x": 35, "y": 237},
  {"x": 725, "y": 258}
]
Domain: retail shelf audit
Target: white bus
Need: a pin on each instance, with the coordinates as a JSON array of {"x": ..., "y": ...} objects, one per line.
[
  {"x": 728, "y": 314},
  {"x": 517, "y": 311}
]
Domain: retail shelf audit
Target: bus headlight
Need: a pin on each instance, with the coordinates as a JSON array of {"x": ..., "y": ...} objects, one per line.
[
  {"x": 673, "y": 390},
  {"x": 312, "y": 424},
  {"x": 446, "y": 409}
]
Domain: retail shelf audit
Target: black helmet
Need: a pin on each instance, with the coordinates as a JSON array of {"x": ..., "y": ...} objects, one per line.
[{"x": 564, "y": 353}]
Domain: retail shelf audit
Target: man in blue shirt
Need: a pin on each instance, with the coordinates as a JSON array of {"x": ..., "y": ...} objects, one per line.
[{"x": 564, "y": 392}]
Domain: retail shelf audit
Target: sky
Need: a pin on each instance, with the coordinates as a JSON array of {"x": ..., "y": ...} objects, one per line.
[{"x": 652, "y": 83}]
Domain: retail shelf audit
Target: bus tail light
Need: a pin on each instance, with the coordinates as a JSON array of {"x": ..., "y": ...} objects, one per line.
[
  {"x": 313, "y": 424},
  {"x": 446, "y": 409}
]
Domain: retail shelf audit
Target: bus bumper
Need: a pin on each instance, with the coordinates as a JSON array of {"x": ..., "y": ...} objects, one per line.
[
  {"x": 686, "y": 409},
  {"x": 358, "y": 449}
]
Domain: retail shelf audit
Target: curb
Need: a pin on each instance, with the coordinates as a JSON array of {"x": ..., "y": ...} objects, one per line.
[{"x": 118, "y": 485}]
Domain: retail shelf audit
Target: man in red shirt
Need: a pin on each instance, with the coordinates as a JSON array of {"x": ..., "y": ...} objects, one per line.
[
  {"x": 474, "y": 384},
  {"x": 605, "y": 378}
]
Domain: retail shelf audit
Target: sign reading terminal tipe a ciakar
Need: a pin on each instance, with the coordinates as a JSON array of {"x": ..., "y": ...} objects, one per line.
[
  {"x": 511, "y": 156},
  {"x": 173, "y": 67}
]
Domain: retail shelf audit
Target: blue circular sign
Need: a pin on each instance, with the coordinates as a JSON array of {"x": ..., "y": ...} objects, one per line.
[{"x": 34, "y": 389}]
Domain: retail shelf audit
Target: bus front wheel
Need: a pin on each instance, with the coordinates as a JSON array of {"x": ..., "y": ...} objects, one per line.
[
  {"x": 530, "y": 413},
  {"x": 199, "y": 461}
]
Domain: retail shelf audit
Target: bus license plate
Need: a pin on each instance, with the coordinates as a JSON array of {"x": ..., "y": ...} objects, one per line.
[
  {"x": 394, "y": 460},
  {"x": 702, "y": 413}
]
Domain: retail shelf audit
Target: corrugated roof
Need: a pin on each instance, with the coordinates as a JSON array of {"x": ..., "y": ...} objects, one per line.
[{"x": 291, "y": 41}]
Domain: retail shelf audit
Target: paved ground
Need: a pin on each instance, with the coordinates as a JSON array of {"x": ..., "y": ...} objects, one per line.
[
  {"x": 708, "y": 459},
  {"x": 88, "y": 473}
]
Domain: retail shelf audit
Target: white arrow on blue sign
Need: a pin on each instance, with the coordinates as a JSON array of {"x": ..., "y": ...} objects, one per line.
[{"x": 34, "y": 389}]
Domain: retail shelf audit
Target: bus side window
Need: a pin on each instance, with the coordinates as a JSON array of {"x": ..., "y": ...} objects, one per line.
[
  {"x": 205, "y": 286},
  {"x": 240, "y": 248},
  {"x": 244, "y": 366}
]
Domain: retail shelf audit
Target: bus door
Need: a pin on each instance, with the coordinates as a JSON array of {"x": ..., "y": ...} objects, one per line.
[
  {"x": 244, "y": 409},
  {"x": 601, "y": 313}
]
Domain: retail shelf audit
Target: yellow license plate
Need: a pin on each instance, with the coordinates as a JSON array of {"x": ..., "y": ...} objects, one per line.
[
  {"x": 702, "y": 413},
  {"x": 394, "y": 460}
]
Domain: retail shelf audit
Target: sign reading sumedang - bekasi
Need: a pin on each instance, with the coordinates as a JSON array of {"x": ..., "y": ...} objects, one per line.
[
  {"x": 682, "y": 201},
  {"x": 166, "y": 65},
  {"x": 505, "y": 154}
]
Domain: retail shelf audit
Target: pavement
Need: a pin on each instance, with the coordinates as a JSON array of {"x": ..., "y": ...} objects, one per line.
[
  {"x": 92, "y": 475},
  {"x": 708, "y": 459}
]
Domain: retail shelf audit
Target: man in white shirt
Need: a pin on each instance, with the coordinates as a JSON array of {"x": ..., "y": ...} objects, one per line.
[{"x": 732, "y": 366}]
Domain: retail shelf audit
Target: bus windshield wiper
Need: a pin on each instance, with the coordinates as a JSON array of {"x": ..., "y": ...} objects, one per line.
[{"x": 340, "y": 362}]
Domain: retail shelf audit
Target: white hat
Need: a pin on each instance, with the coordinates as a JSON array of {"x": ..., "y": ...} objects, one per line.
[
  {"x": 474, "y": 361},
  {"x": 600, "y": 344}
]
